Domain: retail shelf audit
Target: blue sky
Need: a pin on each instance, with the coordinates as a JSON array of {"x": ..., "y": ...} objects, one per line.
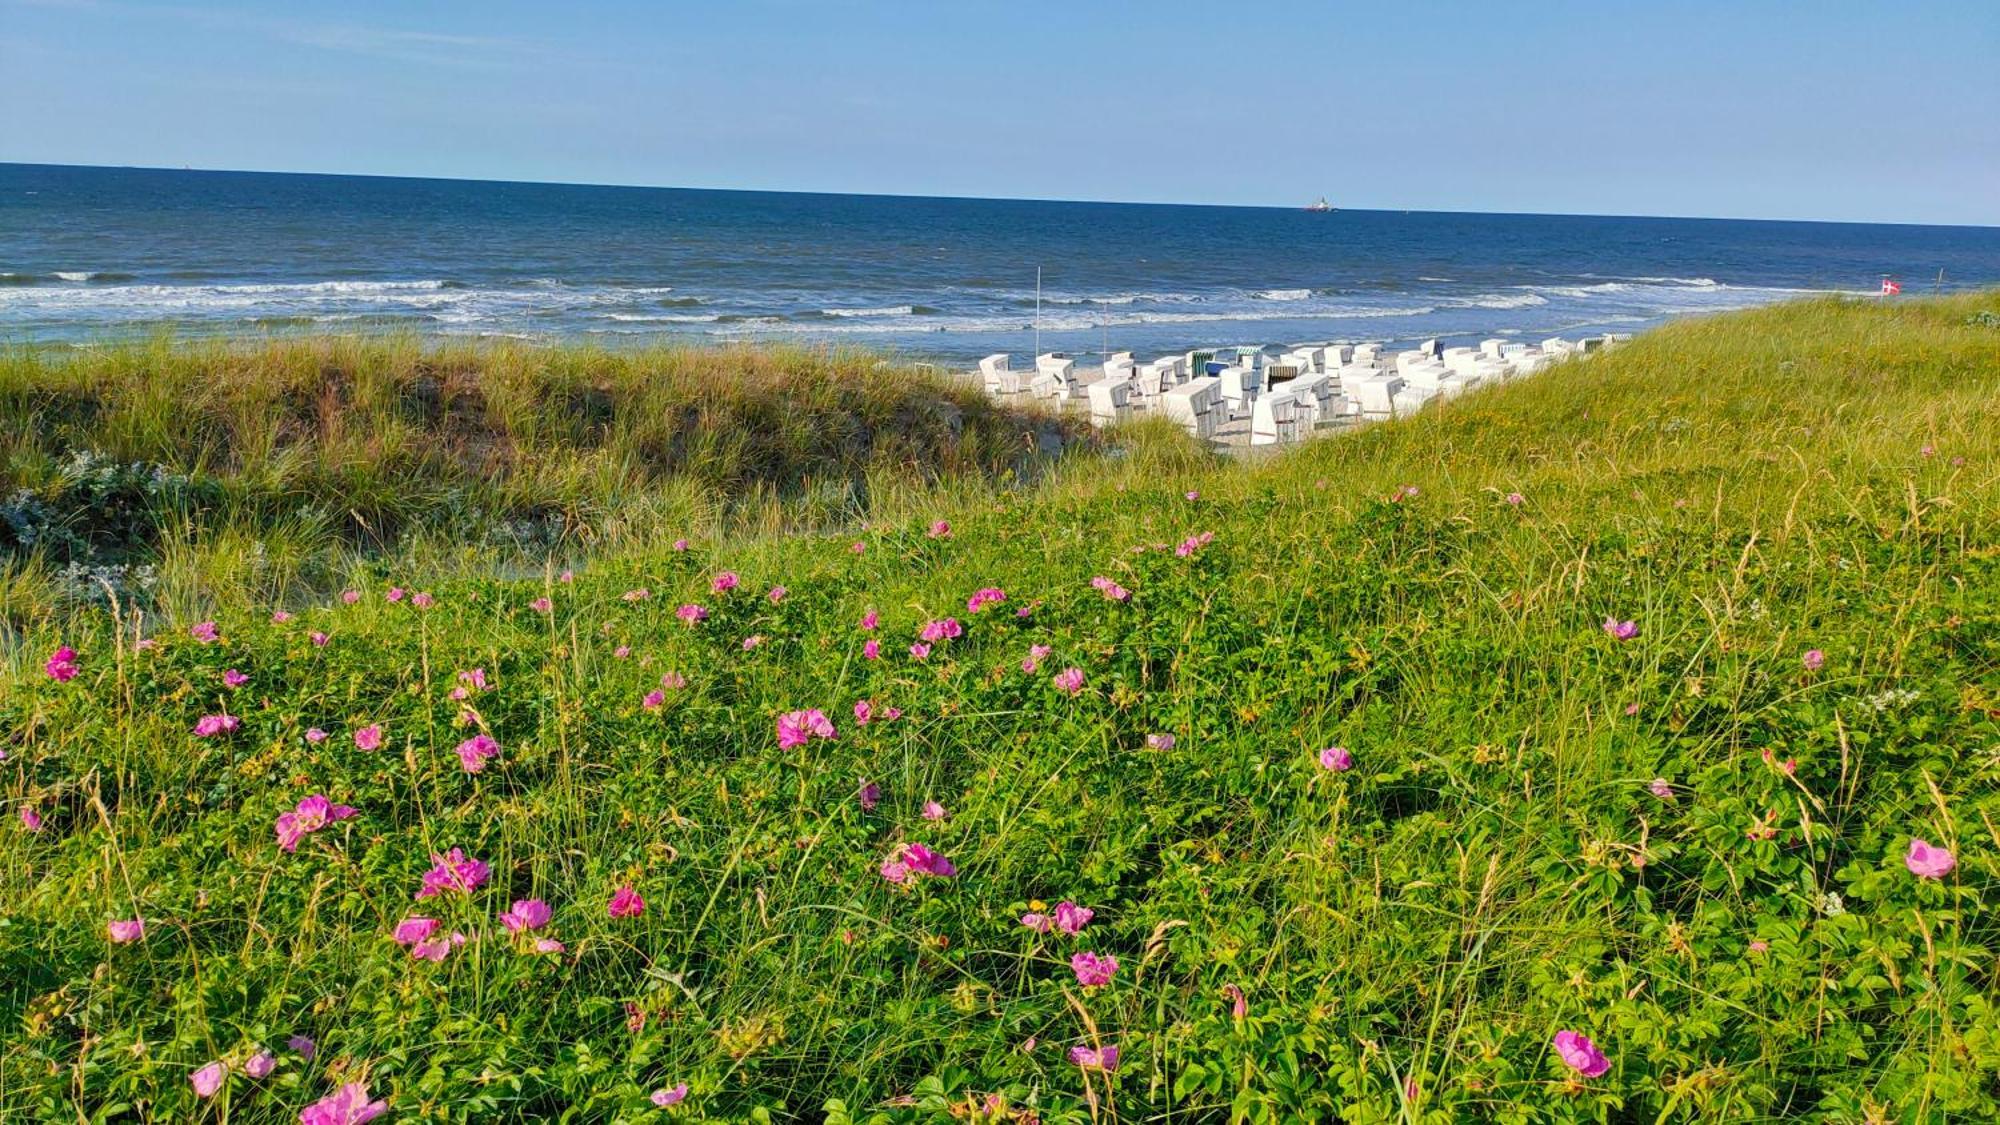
[{"x": 1878, "y": 111}]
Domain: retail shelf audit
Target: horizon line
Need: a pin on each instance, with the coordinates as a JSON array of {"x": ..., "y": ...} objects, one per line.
[{"x": 986, "y": 198}]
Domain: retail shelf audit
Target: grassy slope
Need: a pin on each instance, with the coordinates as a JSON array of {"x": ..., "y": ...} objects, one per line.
[
  {"x": 305, "y": 452},
  {"x": 1408, "y": 935}
]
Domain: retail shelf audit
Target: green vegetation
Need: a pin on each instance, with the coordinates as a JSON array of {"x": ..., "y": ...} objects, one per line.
[
  {"x": 1695, "y": 845},
  {"x": 216, "y": 475}
]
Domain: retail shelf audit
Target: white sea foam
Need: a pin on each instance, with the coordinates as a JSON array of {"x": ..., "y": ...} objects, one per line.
[
  {"x": 1284, "y": 294},
  {"x": 890, "y": 310},
  {"x": 73, "y": 275}
]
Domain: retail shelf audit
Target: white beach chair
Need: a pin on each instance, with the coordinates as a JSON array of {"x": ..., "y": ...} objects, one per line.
[
  {"x": 1240, "y": 387},
  {"x": 1110, "y": 401},
  {"x": 1491, "y": 349},
  {"x": 1275, "y": 419},
  {"x": 1314, "y": 394},
  {"x": 1055, "y": 378},
  {"x": 1557, "y": 346},
  {"x": 997, "y": 375},
  {"x": 1194, "y": 406},
  {"x": 1367, "y": 355},
  {"x": 1375, "y": 395},
  {"x": 1119, "y": 365}
]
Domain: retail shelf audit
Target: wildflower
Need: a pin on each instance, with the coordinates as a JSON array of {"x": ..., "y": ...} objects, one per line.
[
  {"x": 1515, "y": 499},
  {"x": 1036, "y": 653},
  {"x": 1110, "y": 589},
  {"x": 414, "y": 929},
  {"x": 942, "y": 630},
  {"x": 923, "y": 861},
  {"x": 474, "y": 751},
  {"x": 934, "y": 811},
  {"x": 312, "y": 814},
  {"x": 1091, "y": 970},
  {"x": 1239, "y": 1005},
  {"x": 1040, "y": 923},
  {"x": 1927, "y": 862},
  {"x": 940, "y": 530},
  {"x": 350, "y": 596},
  {"x": 279, "y": 617},
  {"x": 673, "y": 681},
  {"x": 260, "y": 1065},
  {"x": 348, "y": 1105},
  {"x": 314, "y": 734},
  {"x": 725, "y": 582},
  {"x": 1104, "y": 1059},
  {"x": 1621, "y": 630},
  {"x": 304, "y": 1047},
  {"x": 1760, "y": 946},
  {"x": 1071, "y": 918},
  {"x": 549, "y": 945},
  {"x": 920, "y": 651},
  {"x": 1193, "y": 495},
  {"x": 863, "y": 711},
  {"x": 208, "y": 726},
  {"x": 626, "y": 903},
  {"x": 870, "y": 620},
  {"x": 869, "y": 795},
  {"x": 621, "y": 652},
  {"x": 542, "y": 605},
  {"x": 638, "y": 595},
  {"x": 990, "y": 595},
  {"x": 1194, "y": 543},
  {"x": 871, "y": 650},
  {"x": 368, "y": 737},
  {"x": 1631, "y": 709},
  {"x": 319, "y": 640},
  {"x": 777, "y": 594},
  {"x": 453, "y": 872},
  {"x": 1336, "y": 758},
  {"x": 235, "y": 679},
  {"x": 1025, "y": 612},
  {"x": 1159, "y": 742},
  {"x": 891, "y": 714},
  {"x": 423, "y": 600},
  {"x": 528, "y": 914},
  {"x": 895, "y": 870},
  {"x": 691, "y": 613},
  {"x": 1661, "y": 788},
  {"x": 859, "y": 547},
  {"x": 1814, "y": 660},
  {"x": 1580, "y": 1054},
  {"x": 394, "y": 595},
  {"x": 654, "y": 700},
  {"x": 205, "y": 632},
  {"x": 30, "y": 819},
  {"x": 1069, "y": 681},
  {"x": 680, "y": 544},
  {"x": 125, "y": 932},
  {"x": 796, "y": 728},
  {"x": 752, "y": 641},
  {"x": 208, "y": 1079},
  {"x": 62, "y": 666},
  {"x": 670, "y": 1096}
]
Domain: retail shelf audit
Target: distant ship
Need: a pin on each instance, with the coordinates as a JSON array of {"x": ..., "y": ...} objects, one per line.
[{"x": 1321, "y": 205}]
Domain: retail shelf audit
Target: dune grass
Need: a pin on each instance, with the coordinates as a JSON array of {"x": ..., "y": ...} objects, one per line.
[
  {"x": 1689, "y": 839},
  {"x": 240, "y": 471}
]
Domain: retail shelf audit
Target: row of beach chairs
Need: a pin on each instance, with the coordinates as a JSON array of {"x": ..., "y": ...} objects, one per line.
[{"x": 1286, "y": 395}]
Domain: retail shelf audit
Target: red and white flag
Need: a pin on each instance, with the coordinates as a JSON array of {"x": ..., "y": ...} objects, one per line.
[{"x": 1891, "y": 288}]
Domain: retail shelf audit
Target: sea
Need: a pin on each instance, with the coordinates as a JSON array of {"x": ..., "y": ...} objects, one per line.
[{"x": 89, "y": 255}]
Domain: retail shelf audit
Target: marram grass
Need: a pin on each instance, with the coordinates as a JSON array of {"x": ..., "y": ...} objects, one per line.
[{"x": 1619, "y": 745}]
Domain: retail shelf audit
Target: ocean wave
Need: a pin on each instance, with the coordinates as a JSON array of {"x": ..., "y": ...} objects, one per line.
[
  {"x": 72, "y": 275},
  {"x": 887, "y": 310},
  {"x": 1283, "y": 294},
  {"x": 1498, "y": 301}
]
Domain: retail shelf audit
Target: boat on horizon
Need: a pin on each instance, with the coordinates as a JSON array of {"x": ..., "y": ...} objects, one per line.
[{"x": 1320, "y": 205}]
